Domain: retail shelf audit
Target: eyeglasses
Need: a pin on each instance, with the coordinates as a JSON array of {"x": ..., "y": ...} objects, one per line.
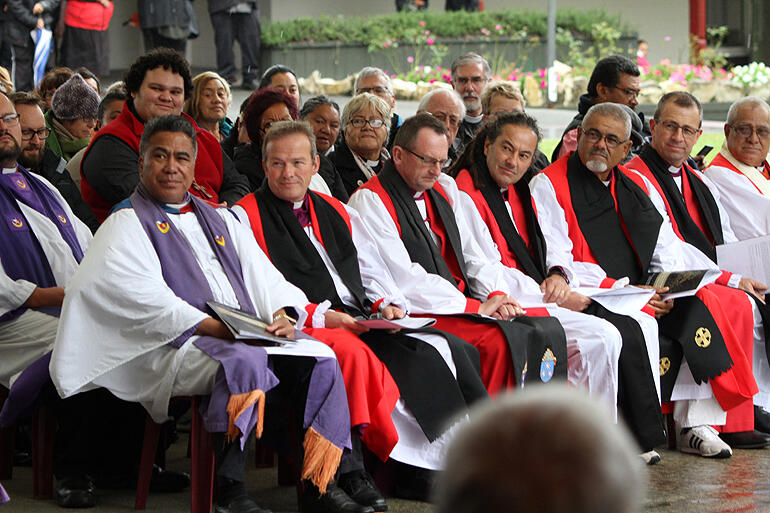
[
  {"x": 746, "y": 131},
  {"x": 267, "y": 125},
  {"x": 429, "y": 161},
  {"x": 360, "y": 122},
  {"x": 28, "y": 134},
  {"x": 10, "y": 119},
  {"x": 475, "y": 80},
  {"x": 630, "y": 93},
  {"x": 378, "y": 90},
  {"x": 447, "y": 119},
  {"x": 594, "y": 136},
  {"x": 672, "y": 128}
]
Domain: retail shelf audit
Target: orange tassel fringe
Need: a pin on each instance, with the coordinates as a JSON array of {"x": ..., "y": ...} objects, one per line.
[
  {"x": 321, "y": 459},
  {"x": 236, "y": 406}
]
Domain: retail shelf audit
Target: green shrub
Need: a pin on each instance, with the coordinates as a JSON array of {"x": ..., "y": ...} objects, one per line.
[{"x": 376, "y": 30}]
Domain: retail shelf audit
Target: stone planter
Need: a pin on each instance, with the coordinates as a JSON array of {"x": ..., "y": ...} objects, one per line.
[{"x": 336, "y": 59}]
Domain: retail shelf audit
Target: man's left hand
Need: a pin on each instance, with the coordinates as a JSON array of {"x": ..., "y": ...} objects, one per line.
[
  {"x": 753, "y": 287},
  {"x": 281, "y": 328},
  {"x": 555, "y": 289},
  {"x": 391, "y": 312}
]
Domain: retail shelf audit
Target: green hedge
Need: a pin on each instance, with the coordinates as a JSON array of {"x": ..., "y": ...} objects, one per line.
[{"x": 401, "y": 26}]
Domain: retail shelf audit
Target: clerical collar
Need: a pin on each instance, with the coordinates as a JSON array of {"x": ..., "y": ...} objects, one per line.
[
  {"x": 374, "y": 164},
  {"x": 301, "y": 210},
  {"x": 474, "y": 119},
  {"x": 329, "y": 151},
  {"x": 676, "y": 172},
  {"x": 418, "y": 196},
  {"x": 504, "y": 192},
  {"x": 179, "y": 208},
  {"x": 9, "y": 170}
]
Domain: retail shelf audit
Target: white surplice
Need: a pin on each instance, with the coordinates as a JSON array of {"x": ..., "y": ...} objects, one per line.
[
  {"x": 413, "y": 447},
  {"x": 28, "y": 337},
  {"x": 119, "y": 314}
]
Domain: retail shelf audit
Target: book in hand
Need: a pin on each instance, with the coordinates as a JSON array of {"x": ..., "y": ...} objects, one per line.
[
  {"x": 246, "y": 327},
  {"x": 406, "y": 322},
  {"x": 682, "y": 283}
]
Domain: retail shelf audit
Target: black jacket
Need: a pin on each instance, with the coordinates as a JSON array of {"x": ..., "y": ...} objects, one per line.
[
  {"x": 52, "y": 169},
  {"x": 19, "y": 20},
  {"x": 343, "y": 160}
]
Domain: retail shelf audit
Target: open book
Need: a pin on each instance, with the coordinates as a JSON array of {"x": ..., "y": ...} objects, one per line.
[
  {"x": 682, "y": 283},
  {"x": 247, "y": 327}
]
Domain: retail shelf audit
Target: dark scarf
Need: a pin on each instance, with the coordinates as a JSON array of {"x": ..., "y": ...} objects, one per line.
[
  {"x": 601, "y": 226},
  {"x": 296, "y": 257},
  {"x": 684, "y": 221},
  {"x": 22, "y": 255},
  {"x": 532, "y": 258},
  {"x": 414, "y": 234}
]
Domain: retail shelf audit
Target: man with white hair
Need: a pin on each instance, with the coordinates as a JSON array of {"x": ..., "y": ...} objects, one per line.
[
  {"x": 448, "y": 107},
  {"x": 375, "y": 81},
  {"x": 741, "y": 171},
  {"x": 470, "y": 74}
]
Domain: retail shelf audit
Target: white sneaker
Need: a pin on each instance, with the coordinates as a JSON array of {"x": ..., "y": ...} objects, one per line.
[
  {"x": 703, "y": 440},
  {"x": 650, "y": 457}
]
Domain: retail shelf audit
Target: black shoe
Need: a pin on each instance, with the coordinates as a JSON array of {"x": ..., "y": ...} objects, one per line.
[
  {"x": 242, "y": 504},
  {"x": 250, "y": 85},
  {"x": 361, "y": 488},
  {"x": 761, "y": 419},
  {"x": 335, "y": 500},
  {"x": 746, "y": 439},
  {"x": 168, "y": 481},
  {"x": 75, "y": 492},
  {"x": 413, "y": 483}
]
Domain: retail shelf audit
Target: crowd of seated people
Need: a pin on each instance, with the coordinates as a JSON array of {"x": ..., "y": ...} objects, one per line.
[{"x": 126, "y": 214}]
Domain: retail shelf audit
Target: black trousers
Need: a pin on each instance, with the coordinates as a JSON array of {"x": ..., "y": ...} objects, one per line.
[
  {"x": 243, "y": 28},
  {"x": 23, "y": 57}
]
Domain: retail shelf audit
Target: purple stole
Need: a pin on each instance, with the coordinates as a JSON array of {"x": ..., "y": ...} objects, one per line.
[
  {"x": 244, "y": 369},
  {"x": 22, "y": 255}
]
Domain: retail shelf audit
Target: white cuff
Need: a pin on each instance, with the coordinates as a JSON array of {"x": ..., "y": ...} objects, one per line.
[{"x": 319, "y": 320}]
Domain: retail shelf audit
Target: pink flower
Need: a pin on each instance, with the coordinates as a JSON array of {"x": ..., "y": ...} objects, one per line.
[
  {"x": 543, "y": 84},
  {"x": 427, "y": 32},
  {"x": 667, "y": 38},
  {"x": 657, "y": 72},
  {"x": 429, "y": 41},
  {"x": 431, "y": 80},
  {"x": 666, "y": 62},
  {"x": 485, "y": 32},
  {"x": 393, "y": 75},
  {"x": 387, "y": 44},
  {"x": 498, "y": 27},
  {"x": 541, "y": 73},
  {"x": 422, "y": 23},
  {"x": 410, "y": 59}
]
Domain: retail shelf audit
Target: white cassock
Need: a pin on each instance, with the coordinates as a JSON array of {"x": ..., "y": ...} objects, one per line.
[
  {"x": 413, "y": 447},
  {"x": 744, "y": 194},
  {"x": 593, "y": 344},
  {"x": 670, "y": 254},
  {"x": 29, "y": 336},
  {"x": 760, "y": 366},
  {"x": 119, "y": 314}
]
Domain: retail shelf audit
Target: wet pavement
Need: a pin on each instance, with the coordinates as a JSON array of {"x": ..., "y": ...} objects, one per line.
[{"x": 680, "y": 483}]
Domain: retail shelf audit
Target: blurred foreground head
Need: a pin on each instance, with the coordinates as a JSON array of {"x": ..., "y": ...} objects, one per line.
[{"x": 548, "y": 450}]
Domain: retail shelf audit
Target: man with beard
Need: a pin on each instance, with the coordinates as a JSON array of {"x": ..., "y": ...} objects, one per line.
[
  {"x": 608, "y": 228},
  {"x": 694, "y": 209},
  {"x": 614, "y": 79},
  {"x": 39, "y": 159},
  {"x": 470, "y": 74}
]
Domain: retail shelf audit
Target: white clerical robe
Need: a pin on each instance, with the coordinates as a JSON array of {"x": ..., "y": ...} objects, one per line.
[
  {"x": 28, "y": 337},
  {"x": 413, "y": 447},
  {"x": 119, "y": 314}
]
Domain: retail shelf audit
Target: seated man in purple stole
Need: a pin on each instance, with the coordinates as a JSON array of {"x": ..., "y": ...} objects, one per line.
[
  {"x": 42, "y": 244},
  {"x": 321, "y": 246},
  {"x": 135, "y": 321}
]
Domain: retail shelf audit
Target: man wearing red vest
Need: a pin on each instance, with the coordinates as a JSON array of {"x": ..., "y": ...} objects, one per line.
[
  {"x": 607, "y": 229},
  {"x": 741, "y": 171},
  {"x": 411, "y": 209},
  {"x": 694, "y": 210},
  {"x": 158, "y": 83},
  {"x": 495, "y": 195}
]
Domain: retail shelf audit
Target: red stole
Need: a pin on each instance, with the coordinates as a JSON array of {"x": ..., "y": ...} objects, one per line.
[{"x": 721, "y": 161}]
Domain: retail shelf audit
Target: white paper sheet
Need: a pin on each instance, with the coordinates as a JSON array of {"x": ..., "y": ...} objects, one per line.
[{"x": 750, "y": 257}]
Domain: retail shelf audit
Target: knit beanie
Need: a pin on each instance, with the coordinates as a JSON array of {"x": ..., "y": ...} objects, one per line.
[{"x": 75, "y": 99}]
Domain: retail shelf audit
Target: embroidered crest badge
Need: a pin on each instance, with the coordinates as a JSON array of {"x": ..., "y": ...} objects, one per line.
[
  {"x": 16, "y": 222},
  {"x": 665, "y": 365},
  {"x": 162, "y": 226},
  {"x": 220, "y": 240},
  {"x": 547, "y": 366},
  {"x": 62, "y": 219},
  {"x": 703, "y": 337},
  {"x": 21, "y": 184}
]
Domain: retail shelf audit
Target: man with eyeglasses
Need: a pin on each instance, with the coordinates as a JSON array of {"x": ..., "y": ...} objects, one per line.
[
  {"x": 470, "y": 74},
  {"x": 37, "y": 157},
  {"x": 412, "y": 210},
  {"x": 375, "y": 81},
  {"x": 614, "y": 79},
  {"x": 741, "y": 170},
  {"x": 449, "y": 108},
  {"x": 693, "y": 207},
  {"x": 608, "y": 226}
]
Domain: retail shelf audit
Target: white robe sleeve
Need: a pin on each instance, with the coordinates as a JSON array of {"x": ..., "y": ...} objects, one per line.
[
  {"x": 519, "y": 283},
  {"x": 556, "y": 232},
  {"x": 425, "y": 292},
  {"x": 747, "y": 208},
  {"x": 727, "y": 230}
]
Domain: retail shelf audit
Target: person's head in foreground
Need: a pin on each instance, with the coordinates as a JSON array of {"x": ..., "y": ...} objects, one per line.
[
  {"x": 167, "y": 158},
  {"x": 420, "y": 151},
  {"x": 549, "y": 450},
  {"x": 289, "y": 158}
]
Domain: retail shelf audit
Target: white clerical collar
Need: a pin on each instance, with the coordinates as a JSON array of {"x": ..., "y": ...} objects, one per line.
[
  {"x": 606, "y": 182},
  {"x": 372, "y": 163},
  {"x": 328, "y": 152},
  {"x": 9, "y": 170},
  {"x": 179, "y": 206},
  {"x": 674, "y": 169},
  {"x": 474, "y": 119},
  {"x": 298, "y": 204}
]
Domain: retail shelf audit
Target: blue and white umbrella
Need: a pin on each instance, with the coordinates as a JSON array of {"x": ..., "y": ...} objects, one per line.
[{"x": 43, "y": 39}]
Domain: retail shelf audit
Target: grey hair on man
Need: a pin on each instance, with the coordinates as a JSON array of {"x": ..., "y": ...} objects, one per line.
[
  {"x": 425, "y": 102},
  {"x": 471, "y": 58},
  {"x": 371, "y": 71},
  {"x": 168, "y": 123},
  {"x": 754, "y": 102},
  {"x": 283, "y": 128},
  {"x": 612, "y": 110},
  {"x": 514, "y": 457}
]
